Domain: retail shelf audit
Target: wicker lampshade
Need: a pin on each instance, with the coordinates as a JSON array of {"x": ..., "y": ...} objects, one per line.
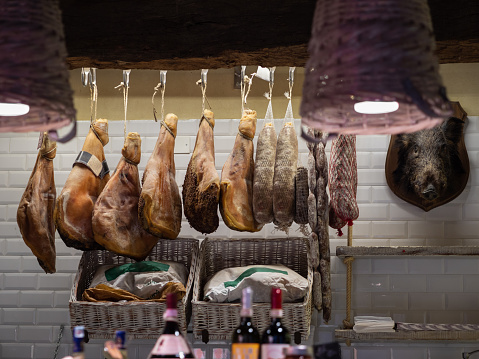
[
  {"x": 362, "y": 50},
  {"x": 33, "y": 69}
]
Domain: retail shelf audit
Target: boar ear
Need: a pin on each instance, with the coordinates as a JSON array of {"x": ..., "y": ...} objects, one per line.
[
  {"x": 453, "y": 128},
  {"x": 402, "y": 141}
]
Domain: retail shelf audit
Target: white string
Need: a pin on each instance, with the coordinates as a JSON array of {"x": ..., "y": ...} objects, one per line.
[
  {"x": 93, "y": 102},
  {"x": 244, "y": 94},
  {"x": 160, "y": 87},
  {"x": 123, "y": 87},
  {"x": 204, "y": 98}
]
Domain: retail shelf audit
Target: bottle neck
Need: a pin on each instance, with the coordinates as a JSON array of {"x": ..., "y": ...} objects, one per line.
[
  {"x": 246, "y": 319},
  {"x": 276, "y": 313},
  {"x": 246, "y": 313},
  {"x": 170, "y": 315}
]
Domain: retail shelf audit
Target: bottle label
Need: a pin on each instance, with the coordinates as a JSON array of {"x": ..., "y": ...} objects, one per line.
[
  {"x": 170, "y": 344},
  {"x": 273, "y": 351},
  {"x": 245, "y": 351}
]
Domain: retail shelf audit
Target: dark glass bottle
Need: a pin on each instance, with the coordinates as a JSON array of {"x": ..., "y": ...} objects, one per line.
[
  {"x": 171, "y": 343},
  {"x": 78, "y": 340},
  {"x": 275, "y": 338},
  {"x": 246, "y": 338}
]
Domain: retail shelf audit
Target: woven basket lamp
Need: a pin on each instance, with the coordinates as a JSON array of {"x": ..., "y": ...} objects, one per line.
[
  {"x": 372, "y": 68},
  {"x": 35, "y": 93}
]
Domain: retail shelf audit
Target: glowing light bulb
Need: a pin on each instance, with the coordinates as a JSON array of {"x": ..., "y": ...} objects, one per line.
[
  {"x": 375, "y": 107},
  {"x": 13, "y": 109}
]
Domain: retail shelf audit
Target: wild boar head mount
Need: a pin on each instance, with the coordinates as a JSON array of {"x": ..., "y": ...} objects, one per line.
[{"x": 429, "y": 168}]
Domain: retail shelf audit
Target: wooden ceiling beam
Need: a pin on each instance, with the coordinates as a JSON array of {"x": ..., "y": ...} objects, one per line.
[{"x": 191, "y": 34}]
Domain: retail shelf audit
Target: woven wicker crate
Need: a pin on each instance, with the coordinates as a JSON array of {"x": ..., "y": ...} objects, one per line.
[
  {"x": 139, "y": 319},
  {"x": 216, "y": 321}
]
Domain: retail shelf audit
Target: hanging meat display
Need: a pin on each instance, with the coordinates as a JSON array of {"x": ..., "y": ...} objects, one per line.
[
  {"x": 236, "y": 198},
  {"x": 201, "y": 189},
  {"x": 264, "y": 175},
  {"x": 159, "y": 206},
  {"x": 321, "y": 166},
  {"x": 88, "y": 177},
  {"x": 343, "y": 179},
  {"x": 115, "y": 220},
  {"x": 35, "y": 211},
  {"x": 285, "y": 165}
]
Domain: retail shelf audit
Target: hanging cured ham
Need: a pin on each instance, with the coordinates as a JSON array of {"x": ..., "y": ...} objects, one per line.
[
  {"x": 159, "y": 207},
  {"x": 88, "y": 177},
  {"x": 115, "y": 216},
  {"x": 201, "y": 189},
  {"x": 236, "y": 198},
  {"x": 35, "y": 211}
]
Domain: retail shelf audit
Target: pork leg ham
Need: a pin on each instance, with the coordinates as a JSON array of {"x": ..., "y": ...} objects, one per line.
[
  {"x": 115, "y": 216},
  {"x": 88, "y": 177},
  {"x": 201, "y": 189},
  {"x": 35, "y": 211},
  {"x": 236, "y": 196},
  {"x": 159, "y": 207}
]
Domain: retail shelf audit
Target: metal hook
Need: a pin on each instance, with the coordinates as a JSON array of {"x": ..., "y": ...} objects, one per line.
[
  {"x": 204, "y": 73},
  {"x": 163, "y": 78},
  {"x": 85, "y": 76},
  {"x": 291, "y": 76},
  {"x": 126, "y": 78},
  {"x": 271, "y": 75},
  {"x": 92, "y": 77},
  {"x": 243, "y": 73}
]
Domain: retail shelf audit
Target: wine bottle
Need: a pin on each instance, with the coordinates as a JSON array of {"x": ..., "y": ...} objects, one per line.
[
  {"x": 246, "y": 338},
  {"x": 275, "y": 338},
  {"x": 78, "y": 339},
  {"x": 171, "y": 343},
  {"x": 120, "y": 340}
]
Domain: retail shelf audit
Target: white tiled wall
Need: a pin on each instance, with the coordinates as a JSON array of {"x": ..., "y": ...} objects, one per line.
[{"x": 34, "y": 305}]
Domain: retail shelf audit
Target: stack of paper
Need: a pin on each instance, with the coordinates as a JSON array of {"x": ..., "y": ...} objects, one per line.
[{"x": 370, "y": 324}]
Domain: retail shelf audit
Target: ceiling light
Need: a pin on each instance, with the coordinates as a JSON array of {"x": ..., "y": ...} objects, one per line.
[
  {"x": 33, "y": 72},
  {"x": 376, "y": 53}
]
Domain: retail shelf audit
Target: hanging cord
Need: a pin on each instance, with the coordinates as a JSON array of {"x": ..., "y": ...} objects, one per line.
[
  {"x": 244, "y": 93},
  {"x": 57, "y": 347},
  {"x": 93, "y": 95},
  {"x": 347, "y": 323},
  {"x": 289, "y": 95},
  {"x": 203, "y": 83},
  {"x": 124, "y": 85},
  {"x": 160, "y": 87}
]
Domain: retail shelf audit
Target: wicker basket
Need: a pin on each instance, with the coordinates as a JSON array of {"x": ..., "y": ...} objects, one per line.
[
  {"x": 218, "y": 320},
  {"x": 141, "y": 320}
]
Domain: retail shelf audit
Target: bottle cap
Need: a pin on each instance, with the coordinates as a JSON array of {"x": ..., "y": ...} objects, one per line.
[
  {"x": 299, "y": 350},
  {"x": 120, "y": 336},
  {"x": 247, "y": 302},
  {"x": 171, "y": 301},
  {"x": 79, "y": 331},
  {"x": 276, "y": 298}
]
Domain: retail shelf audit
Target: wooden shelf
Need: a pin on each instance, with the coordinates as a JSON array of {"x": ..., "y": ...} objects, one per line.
[
  {"x": 360, "y": 251},
  {"x": 442, "y": 335}
]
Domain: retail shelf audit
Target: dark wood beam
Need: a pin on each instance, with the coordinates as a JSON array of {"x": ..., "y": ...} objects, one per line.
[{"x": 191, "y": 34}]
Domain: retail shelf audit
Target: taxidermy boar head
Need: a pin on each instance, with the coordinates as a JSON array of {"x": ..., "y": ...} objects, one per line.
[{"x": 431, "y": 168}]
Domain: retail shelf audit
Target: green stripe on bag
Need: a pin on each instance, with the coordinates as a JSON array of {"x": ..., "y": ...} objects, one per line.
[
  {"x": 249, "y": 272},
  {"x": 146, "y": 266}
]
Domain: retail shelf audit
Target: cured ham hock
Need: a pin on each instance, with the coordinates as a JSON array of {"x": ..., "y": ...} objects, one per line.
[
  {"x": 236, "y": 198},
  {"x": 159, "y": 207},
  {"x": 201, "y": 189},
  {"x": 115, "y": 216},
  {"x": 88, "y": 177},
  {"x": 35, "y": 211}
]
